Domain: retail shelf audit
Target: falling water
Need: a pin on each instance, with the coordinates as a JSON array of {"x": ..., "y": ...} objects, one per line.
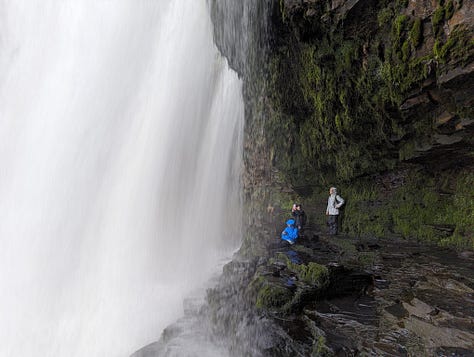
[{"x": 120, "y": 153}]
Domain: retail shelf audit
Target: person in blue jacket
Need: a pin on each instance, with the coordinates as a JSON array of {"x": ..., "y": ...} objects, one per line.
[{"x": 290, "y": 233}]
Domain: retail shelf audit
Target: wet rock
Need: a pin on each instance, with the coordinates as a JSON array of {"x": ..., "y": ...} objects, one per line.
[
  {"x": 444, "y": 118},
  {"x": 467, "y": 255},
  {"x": 422, "y": 9},
  {"x": 397, "y": 310},
  {"x": 415, "y": 102},
  {"x": 457, "y": 76},
  {"x": 464, "y": 15},
  {"x": 447, "y": 139}
]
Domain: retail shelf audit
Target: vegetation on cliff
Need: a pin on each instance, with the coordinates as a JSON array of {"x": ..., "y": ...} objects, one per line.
[
  {"x": 436, "y": 209},
  {"x": 338, "y": 91},
  {"x": 359, "y": 89}
]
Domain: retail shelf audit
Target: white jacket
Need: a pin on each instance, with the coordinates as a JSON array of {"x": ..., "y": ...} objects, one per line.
[{"x": 334, "y": 203}]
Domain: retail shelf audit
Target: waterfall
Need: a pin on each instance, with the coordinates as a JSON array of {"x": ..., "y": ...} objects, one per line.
[{"x": 120, "y": 150}]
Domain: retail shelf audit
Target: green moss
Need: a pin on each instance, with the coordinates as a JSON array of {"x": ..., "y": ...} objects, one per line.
[
  {"x": 449, "y": 9},
  {"x": 420, "y": 209},
  {"x": 335, "y": 100},
  {"x": 416, "y": 33},
  {"x": 437, "y": 19},
  {"x": 399, "y": 27},
  {"x": 320, "y": 348},
  {"x": 402, "y": 77},
  {"x": 321, "y": 103},
  {"x": 400, "y": 24},
  {"x": 346, "y": 53},
  {"x": 272, "y": 296},
  {"x": 284, "y": 200},
  {"x": 401, "y": 4},
  {"x": 314, "y": 274},
  {"x": 407, "y": 151},
  {"x": 255, "y": 285},
  {"x": 384, "y": 16},
  {"x": 360, "y": 218},
  {"x": 458, "y": 47},
  {"x": 282, "y": 10},
  {"x": 437, "y": 48},
  {"x": 366, "y": 259},
  {"x": 461, "y": 214},
  {"x": 406, "y": 51},
  {"x": 417, "y": 209}
]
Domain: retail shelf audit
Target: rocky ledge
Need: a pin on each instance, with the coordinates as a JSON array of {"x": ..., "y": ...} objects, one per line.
[
  {"x": 335, "y": 296},
  {"x": 342, "y": 296}
]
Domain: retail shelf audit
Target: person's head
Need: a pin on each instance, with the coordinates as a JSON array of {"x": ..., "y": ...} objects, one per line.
[
  {"x": 332, "y": 190},
  {"x": 290, "y": 222},
  {"x": 298, "y": 207}
]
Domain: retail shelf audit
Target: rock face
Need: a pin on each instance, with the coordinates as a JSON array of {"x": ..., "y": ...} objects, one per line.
[
  {"x": 348, "y": 92},
  {"x": 343, "y": 92},
  {"x": 377, "y": 70},
  {"x": 377, "y": 98}
]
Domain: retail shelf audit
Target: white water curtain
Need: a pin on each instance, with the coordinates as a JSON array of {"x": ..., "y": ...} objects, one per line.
[{"x": 120, "y": 157}]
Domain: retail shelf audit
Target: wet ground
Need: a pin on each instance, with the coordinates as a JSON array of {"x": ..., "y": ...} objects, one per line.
[
  {"x": 420, "y": 302},
  {"x": 386, "y": 297}
]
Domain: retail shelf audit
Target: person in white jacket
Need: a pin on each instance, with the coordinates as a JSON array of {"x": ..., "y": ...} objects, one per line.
[{"x": 332, "y": 211}]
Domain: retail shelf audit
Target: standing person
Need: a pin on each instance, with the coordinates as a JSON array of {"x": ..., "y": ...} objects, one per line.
[
  {"x": 300, "y": 218},
  {"x": 332, "y": 211}
]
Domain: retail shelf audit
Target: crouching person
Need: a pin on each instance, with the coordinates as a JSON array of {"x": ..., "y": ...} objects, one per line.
[{"x": 290, "y": 233}]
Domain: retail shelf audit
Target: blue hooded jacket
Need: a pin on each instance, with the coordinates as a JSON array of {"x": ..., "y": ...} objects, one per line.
[{"x": 290, "y": 233}]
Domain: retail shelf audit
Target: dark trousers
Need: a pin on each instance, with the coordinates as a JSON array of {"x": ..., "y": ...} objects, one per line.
[
  {"x": 332, "y": 224},
  {"x": 300, "y": 231}
]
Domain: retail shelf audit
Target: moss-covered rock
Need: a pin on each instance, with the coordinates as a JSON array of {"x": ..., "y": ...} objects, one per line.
[
  {"x": 312, "y": 273},
  {"x": 355, "y": 101},
  {"x": 414, "y": 204},
  {"x": 272, "y": 296},
  {"x": 416, "y": 33},
  {"x": 342, "y": 97}
]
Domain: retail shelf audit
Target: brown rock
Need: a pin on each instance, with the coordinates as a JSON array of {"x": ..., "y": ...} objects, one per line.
[
  {"x": 421, "y": 8},
  {"x": 465, "y": 15},
  {"x": 455, "y": 74},
  {"x": 416, "y": 101},
  {"x": 467, "y": 254},
  {"x": 337, "y": 3},
  {"x": 447, "y": 139},
  {"x": 444, "y": 118},
  {"x": 464, "y": 123}
]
